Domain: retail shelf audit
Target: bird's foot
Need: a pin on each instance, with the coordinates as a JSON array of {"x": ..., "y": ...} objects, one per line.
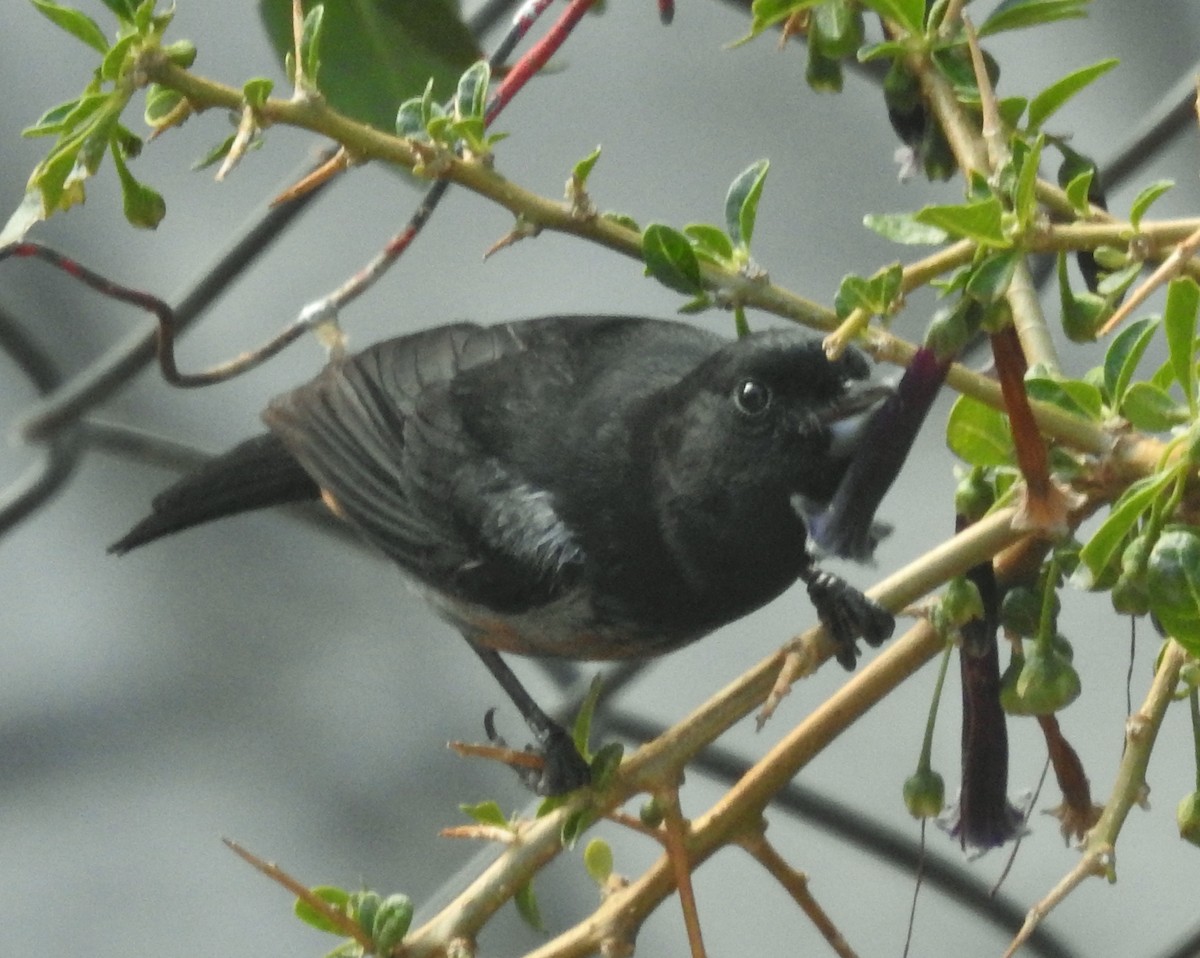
[
  {"x": 848, "y": 615},
  {"x": 552, "y": 767}
]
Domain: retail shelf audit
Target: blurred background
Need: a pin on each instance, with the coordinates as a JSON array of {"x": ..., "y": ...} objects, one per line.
[{"x": 263, "y": 680}]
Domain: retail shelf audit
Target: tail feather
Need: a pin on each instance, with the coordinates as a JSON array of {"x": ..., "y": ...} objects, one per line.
[{"x": 258, "y": 473}]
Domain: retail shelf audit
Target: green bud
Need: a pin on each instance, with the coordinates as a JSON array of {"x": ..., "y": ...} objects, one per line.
[
  {"x": 1010, "y": 701},
  {"x": 836, "y": 29},
  {"x": 961, "y": 602},
  {"x": 391, "y": 923},
  {"x": 1021, "y": 610},
  {"x": 1187, "y": 816},
  {"x": 364, "y": 907},
  {"x": 823, "y": 74},
  {"x": 1047, "y": 683},
  {"x": 973, "y": 496},
  {"x": 1130, "y": 596},
  {"x": 651, "y": 813},
  {"x": 182, "y": 53},
  {"x": 924, "y": 793},
  {"x": 1083, "y": 314}
]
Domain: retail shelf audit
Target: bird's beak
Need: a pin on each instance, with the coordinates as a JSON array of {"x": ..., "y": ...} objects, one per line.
[{"x": 848, "y": 416}]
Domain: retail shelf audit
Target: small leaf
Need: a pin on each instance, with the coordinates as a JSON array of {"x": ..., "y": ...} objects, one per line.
[
  {"x": 853, "y": 293},
  {"x": 471, "y": 95},
  {"x": 709, "y": 242},
  {"x": 1152, "y": 409},
  {"x": 583, "y": 169},
  {"x": 486, "y": 813},
  {"x": 75, "y": 22},
  {"x": 1109, "y": 540},
  {"x": 980, "y": 220},
  {"x": 909, "y": 14},
  {"x": 114, "y": 59},
  {"x": 741, "y": 202},
  {"x": 979, "y": 434},
  {"x": 160, "y": 103},
  {"x": 1141, "y": 203},
  {"x": 582, "y": 730},
  {"x": 1173, "y": 584},
  {"x": 310, "y": 43},
  {"x": 256, "y": 92},
  {"x": 598, "y": 860},
  {"x": 1123, "y": 356},
  {"x": 216, "y": 154},
  {"x": 66, "y": 116},
  {"x": 905, "y": 228},
  {"x": 338, "y": 898},
  {"x": 605, "y": 763},
  {"x": 527, "y": 907},
  {"x": 670, "y": 259},
  {"x": 1017, "y": 14},
  {"x": 1025, "y": 203},
  {"x": 122, "y": 9},
  {"x": 1051, "y": 99},
  {"x": 990, "y": 279},
  {"x": 765, "y": 13},
  {"x": 1073, "y": 395},
  {"x": 1179, "y": 323}
]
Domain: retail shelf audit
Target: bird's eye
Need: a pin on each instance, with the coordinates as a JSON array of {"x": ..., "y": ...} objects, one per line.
[{"x": 752, "y": 397}]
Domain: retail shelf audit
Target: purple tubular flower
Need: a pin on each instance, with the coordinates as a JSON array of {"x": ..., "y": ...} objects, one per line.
[
  {"x": 846, "y": 527},
  {"x": 985, "y": 818}
]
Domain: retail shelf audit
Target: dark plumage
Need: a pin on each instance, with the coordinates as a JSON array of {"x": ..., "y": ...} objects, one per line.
[{"x": 588, "y": 487}]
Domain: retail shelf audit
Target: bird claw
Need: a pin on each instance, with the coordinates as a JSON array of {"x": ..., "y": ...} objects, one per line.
[
  {"x": 561, "y": 768},
  {"x": 848, "y": 615}
]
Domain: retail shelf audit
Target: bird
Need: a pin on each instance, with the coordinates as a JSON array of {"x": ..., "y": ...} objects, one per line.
[{"x": 583, "y": 487}]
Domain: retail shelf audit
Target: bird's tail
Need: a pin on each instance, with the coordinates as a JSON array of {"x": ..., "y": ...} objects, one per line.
[{"x": 258, "y": 473}]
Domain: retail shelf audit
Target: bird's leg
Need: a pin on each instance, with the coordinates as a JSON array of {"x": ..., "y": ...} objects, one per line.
[
  {"x": 564, "y": 769},
  {"x": 846, "y": 613}
]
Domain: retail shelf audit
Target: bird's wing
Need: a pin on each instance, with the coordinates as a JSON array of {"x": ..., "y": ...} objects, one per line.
[{"x": 382, "y": 433}]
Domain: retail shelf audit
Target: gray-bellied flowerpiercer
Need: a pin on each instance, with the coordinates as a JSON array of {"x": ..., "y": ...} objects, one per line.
[{"x": 588, "y": 487}]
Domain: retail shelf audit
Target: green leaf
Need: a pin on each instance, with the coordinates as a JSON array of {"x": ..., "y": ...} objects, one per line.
[
  {"x": 741, "y": 202},
  {"x": 1073, "y": 395},
  {"x": 990, "y": 279},
  {"x": 598, "y": 860},
  {"x": 216, "y": 154},
  {"x": 310, "y": 44},
  {"x": 527, "y": 907},
  {"x": 1025, "y": 203},
  {"x": 905, "y": 228},
  {"x": 1173, "y": 584},
  {"x": 889, "y": 49},
  {"x": 486, "y": 813},
  {"x": 1109, "y": 540},
  {"x": 583, "y": 169},
  {"x": 709, "y": 242},
  {"x": 1077, "y": 190},
  {"x": 114, "y": 59},
  {"x": 1048, "y": 102},
  {"x": 338, "y": 898},
  {"x": 1017, "y": 14},
  {"x": 1141, "y": 202},
  {"x": 66, "y": 116},
  {"x": 1152, "y": 409},
  {"x": 1123, "y": 356},
  {"x": 670, "y": 259},
  {"x": 256, "y": 91},
  {"x": 854, "y": 292},
  {"x": 470, "y": 98},
  {"x": 76, "y": 23},
  {"x": 909, "y": 14},
  {"x": 375, "y": 54},
  {"x": 979, "y": 434},
  {"x": 144, "y": 207},
  {"x": 581, "y": 733},
  {"x": 122, "y": 9},
  {"x": 1179, "y": 323},
  {"x": 766, "y": 13},
  {"x": 160, "y": 103},
  {"x": 605, "y": 763},
  {"x": 980, "y": 220},
  {"x": 836, "y": 29}
]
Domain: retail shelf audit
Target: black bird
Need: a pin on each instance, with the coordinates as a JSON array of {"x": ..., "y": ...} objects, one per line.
[{"x": 587, "y": 487}]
